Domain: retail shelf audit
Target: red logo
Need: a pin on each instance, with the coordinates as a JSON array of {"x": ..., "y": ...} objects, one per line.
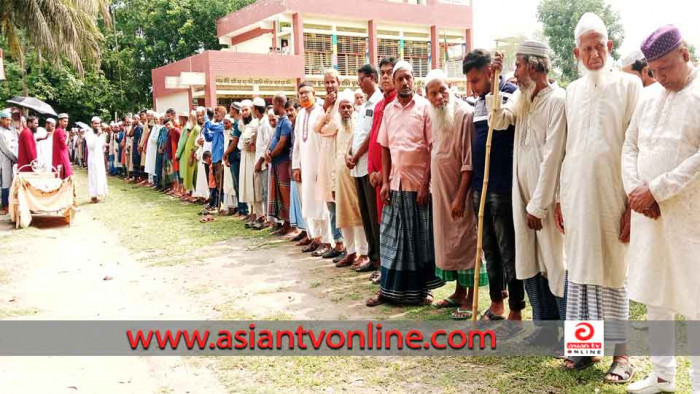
[{"x": 584, "y": 331}]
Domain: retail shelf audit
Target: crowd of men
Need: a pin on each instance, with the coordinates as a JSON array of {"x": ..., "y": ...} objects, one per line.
[{"x": 605, "y": 173}]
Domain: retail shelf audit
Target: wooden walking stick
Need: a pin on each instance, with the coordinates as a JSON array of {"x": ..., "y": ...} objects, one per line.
[{"x": 484, "y": 189}]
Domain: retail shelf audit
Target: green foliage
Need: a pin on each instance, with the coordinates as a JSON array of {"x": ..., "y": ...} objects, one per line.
[{"x": 560, "y": 17}]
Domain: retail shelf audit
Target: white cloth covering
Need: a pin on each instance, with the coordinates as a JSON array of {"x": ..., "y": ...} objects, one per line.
[
  {"x": 662, "y": 150},
  {"x": 537, "y": 153},
  {"x": 306, "y": 158},
  {"x": 593, "y": 199},
  {"x": 152, "y": 150},
  {"x": 96, "y": 164},
  {"x": 44, "y": 148},
  {"x": 246, "y": 181}
]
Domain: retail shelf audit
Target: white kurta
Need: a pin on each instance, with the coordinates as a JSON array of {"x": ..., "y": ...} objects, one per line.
[
  {"x": 44, "y": 149},
  {"x": 96, "y": 164},
  {"x": 152, "y": 150},
  {"x": 305, "y": 158},
  {"x": 593, "y": 199},
  {"x": 229, "y": 191},
  {"x": 537, "y": 154},
  {"x": 246, "y": 181},
  {"x": 201, "y": 184},
  {"x": 662, "y": 149}
]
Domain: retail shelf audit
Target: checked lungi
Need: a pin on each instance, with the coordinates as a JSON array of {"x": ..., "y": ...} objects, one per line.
[
  {"x": 591, "y": 302},
  {"x": 545, "y": 305},
  {"x": 407, "y": 250},
  {"x": 278, "y": 198}
]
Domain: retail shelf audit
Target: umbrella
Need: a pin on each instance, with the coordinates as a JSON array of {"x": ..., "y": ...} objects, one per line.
[{"x": 33, "y": 104}]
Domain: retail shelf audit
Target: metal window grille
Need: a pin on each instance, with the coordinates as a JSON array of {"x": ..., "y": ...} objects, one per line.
[
  {"x": 318, "y": 53},
  {"x": 387, "y": 48},
  {"x": 417, "y": 53},
  {"x": 351, "y": 54}
]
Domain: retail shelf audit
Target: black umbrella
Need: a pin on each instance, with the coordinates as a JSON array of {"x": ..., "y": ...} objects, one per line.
[{"x": 34, "y": 104}]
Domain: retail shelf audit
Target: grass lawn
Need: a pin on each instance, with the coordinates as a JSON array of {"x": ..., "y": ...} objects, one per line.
[{"x": 161, "y": 230}]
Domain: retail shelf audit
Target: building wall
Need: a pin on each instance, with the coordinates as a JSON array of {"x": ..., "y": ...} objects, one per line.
[{"x": 180, "y": 101}]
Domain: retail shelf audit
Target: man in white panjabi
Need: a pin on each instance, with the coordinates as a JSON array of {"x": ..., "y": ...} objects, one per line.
[
  {"x": 328, "y": 126},
  {"x": 97, "y": 175},
  {"x": 260, "y": 167},
  {"x": 246, "y": 180},
  {"x": 538, "y": 112},
  {"x": 661, "y": 175},
  {"x": 594, "y": 215},
  {"x": 305, "y": 163},
  {"x": 44, "y": 144}
]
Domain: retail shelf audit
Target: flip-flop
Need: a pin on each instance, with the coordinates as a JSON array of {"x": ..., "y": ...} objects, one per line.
[
  {"x": 624, "y": 371},
  {"x": 372, "y": 302},
  {"x": 492, "y": 316},
  {"x": 580, "y": 363},
  {"x": 446, "y": 303},
  {"x": 461, "y": 314}
]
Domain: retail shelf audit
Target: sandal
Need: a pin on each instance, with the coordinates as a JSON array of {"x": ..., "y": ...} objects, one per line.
[
  {"x": 447, "y": 303},
  {"x": 580, "y": 363},
  {"x": 427, "y": 301},
  {"x": 624, "y": 371},
  {"x": 492, "y": 316},
  {"x": 207, "y": 218},
  {"x": 376, "y": 277},
  {"x": 372, "y": 302},
  {"x": 461, "y": 314}
]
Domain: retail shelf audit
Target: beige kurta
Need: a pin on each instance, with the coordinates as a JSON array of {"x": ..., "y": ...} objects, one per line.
[
  {"x": 347, "y": 208},
  {"x": 662, "y": 149},
  {"x": 246, "y": 178},
  {"x": 143, "y": 142},
  {"x": 538, "y": 148},
  {"x": 598, "y": 116},
  {"x": 327, "y": 127},
  {"x": 450, "y": 156}
]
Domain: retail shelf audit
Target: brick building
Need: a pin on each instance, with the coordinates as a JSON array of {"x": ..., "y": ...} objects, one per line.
[{"x": 271, "y": 45}]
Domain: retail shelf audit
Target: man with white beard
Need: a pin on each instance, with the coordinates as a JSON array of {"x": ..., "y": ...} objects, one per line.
[
  {"x": 454, "y": 223},
  {"x": 599, "y": 107},
  {"x": 538, "y": 112}
]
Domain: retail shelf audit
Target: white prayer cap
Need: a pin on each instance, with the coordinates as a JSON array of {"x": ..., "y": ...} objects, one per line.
[
  {"x": 259, "y": 102},
  {"x": 246, "y": 103},
  {"x": 228, "y": 118},
  {"x": 590, "y": 23},
  {"x": 346, "y": 95},
  {"x": 150, "y": 112},
  {"x": 96, "y": 119},
  {"x": 436, "y": 74},
  {"x": 271, "y": 112},
  {"x": 62, "y": 116},
  {"x": 533, "y": 48},
  {"x": 402, "y": 65},
  {"x": 51, "y": 120},
  {"x": 358, "y": 90},
  {"x": 631, "y": 58}
]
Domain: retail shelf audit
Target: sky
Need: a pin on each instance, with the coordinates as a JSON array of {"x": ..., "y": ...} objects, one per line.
[{"x": 506, "y": 18}]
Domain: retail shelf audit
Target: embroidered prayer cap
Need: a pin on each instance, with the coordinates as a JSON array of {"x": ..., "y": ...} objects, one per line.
[
  {"x": 96, "y": 119},
  {"x": 4, "y": 115},
  {"x": 51, "y": 120},
  {"x": 533, "y": 48},
  {"x": 246, "y": 103},
  {"x": 402, "y": 65},
  {"x": 590, "y": 23},
  {"x": 436, "y": 74},
  {"x": 236, "y": 105},
  {"x": 346, "y": 95},
  {"x": 631, "y": 58},
  {"x": 661, "y": 42},
  {"x": 259, "y": 102},
  {"x": 62, "y": 116}
]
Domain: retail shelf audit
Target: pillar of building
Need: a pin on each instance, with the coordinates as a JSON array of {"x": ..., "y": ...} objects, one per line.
[
  {"x": 469, "y": 40},
  {"x": 334, "y": 51},
  {"x": 210, "y": 91},
  {"x": 434, "y": 47},
  {"x": 298, "y": 31},
  {"x": 373, "y": 47}
]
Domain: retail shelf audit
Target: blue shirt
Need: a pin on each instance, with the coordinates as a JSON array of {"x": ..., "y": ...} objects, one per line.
[
  {"x": 501, "y": 171},
  {"x": 214, "y": 133},
  {"x": 284, "y": 128},
  {"x": 138, "y": 130}
]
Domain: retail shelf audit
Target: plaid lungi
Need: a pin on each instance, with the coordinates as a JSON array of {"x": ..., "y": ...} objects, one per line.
[
  {"x": 545, "y": 305},
  {"x": 279, "y": 191},
  {"x": 464, "y": 277},
  {"x": 407, "y": 250},
  {"x": 591, "y": 302},
  {"x": 296, "y": 219}
]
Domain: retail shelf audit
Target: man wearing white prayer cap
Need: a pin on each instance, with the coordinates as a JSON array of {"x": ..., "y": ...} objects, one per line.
[
  {"x": 44, "y": 143},
  {"x": 246, "y": 176},
  {"x": 636, "y": 64},
  {"x": 538, "y": 112},
  {"x": 97, "y": 175},
  {"x": 595, "y": 219}
]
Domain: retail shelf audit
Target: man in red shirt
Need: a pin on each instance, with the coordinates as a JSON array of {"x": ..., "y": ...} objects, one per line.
[
  {"x": 27, "y": 145},
  {"x": 60, "y": 148},
  {"x": 374, "y": 164}
]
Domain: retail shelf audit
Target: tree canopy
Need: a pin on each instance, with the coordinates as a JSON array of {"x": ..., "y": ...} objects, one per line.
[{"x": 560, "y": 17}]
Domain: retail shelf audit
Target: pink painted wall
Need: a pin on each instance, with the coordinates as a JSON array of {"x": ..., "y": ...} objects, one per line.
[{"x": 445, "y": 15}]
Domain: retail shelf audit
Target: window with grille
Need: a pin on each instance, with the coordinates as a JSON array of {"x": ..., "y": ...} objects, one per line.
[
  {"x": 387, "y": 48},
  {"x": 454, "y": 64},
  {"x": 351, "y": 54},
  {"x": 318, "y": 53},
  {"x": 417, "y": 53}
]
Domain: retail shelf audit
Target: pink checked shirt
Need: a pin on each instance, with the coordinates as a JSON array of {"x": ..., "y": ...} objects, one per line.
[{"x": 407, "y": 132}]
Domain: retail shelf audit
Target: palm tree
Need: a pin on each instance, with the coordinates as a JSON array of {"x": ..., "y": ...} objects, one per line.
[{"x": 56, "y": 29}]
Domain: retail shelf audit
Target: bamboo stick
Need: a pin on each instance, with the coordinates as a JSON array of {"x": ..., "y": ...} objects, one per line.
[{"x": 484, "y": 189}]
